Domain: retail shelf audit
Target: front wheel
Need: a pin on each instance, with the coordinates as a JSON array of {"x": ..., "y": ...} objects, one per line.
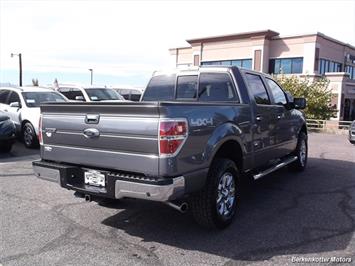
[
  {"x": 215, "y": 206},
  {"x": 29, "y": 136},
  {"x": 301, "y": 152}
]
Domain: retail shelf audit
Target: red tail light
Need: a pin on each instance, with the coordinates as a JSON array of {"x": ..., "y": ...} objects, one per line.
[
  {"x": 40, "y": 137},
  {"x": 172, "y": 134}
]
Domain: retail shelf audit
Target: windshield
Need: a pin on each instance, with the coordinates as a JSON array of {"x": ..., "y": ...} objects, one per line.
[
  {"x": 35, "y": 98},
  {"x": 160, "y": 88},
  {"x": 103, "y": 94}
]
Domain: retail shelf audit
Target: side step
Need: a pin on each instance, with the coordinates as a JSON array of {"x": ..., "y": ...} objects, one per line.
[{"x": 275, "y": 167}]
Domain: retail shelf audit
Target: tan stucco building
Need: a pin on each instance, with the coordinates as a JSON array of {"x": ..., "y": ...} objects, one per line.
[{"x": 313, "y": 55}]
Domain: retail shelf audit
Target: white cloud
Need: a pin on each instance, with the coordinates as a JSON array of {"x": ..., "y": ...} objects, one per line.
[{"x": 133, "y": 37}]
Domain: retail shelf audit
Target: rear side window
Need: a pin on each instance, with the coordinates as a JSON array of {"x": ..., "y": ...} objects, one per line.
[
  {"x": 3, "y": 96},
  {"x": 258, "y": 89},
  {"x": 277, "y": 92},
  {"x": 160, "y": 88},
  {"x": 186, "y": 87},
  {"x": 216, "y": 87}
]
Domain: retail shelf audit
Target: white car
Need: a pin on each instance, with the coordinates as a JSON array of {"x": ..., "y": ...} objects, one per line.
[
  {"x": 131, "y": 94},
  {"x": 89, "y": 93},
  {"x": 22, "y": 105}
]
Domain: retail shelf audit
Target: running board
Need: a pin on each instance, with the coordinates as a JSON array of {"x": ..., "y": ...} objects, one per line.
[{"x": 275, "y": 167}]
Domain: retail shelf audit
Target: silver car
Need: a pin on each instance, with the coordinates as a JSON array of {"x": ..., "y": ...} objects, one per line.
[
  {"x": 22, "y": 105},
  {"x": 352, "y": 133}
]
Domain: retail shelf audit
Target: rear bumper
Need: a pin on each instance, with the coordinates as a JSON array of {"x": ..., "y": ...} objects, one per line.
[{"x": 117, "y": 186}]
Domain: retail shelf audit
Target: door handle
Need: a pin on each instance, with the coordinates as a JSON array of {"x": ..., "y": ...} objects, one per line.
[
  {"x": 259, "y": 118},
  {"x": 278, "y": 116},
  {"x": 5, "y": 110}
]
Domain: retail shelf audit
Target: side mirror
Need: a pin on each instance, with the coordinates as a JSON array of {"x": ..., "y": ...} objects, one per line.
[
  {"x": 79, "y": 98},
  {"x": 15, "y": 105},
  {"x": 300, "y": 103}
]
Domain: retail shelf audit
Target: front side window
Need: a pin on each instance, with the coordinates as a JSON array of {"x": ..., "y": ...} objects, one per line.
[
  {"x": 216, "y": 87},
  {"x": 14, "y": 97},
  {"x": 160, "y": 88},
  {"x": 36, "y": 98},
  {"x": 186, "y": 87},
  {"x": 3, "y": 96},
  {"x": 277, "y": 92},
  {"x": 257, "y": 88},
  {"x": 103, "y": 94}
]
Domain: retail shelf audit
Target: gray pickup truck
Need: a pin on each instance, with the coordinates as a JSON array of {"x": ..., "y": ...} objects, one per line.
[{"x": 194, "y": 137}]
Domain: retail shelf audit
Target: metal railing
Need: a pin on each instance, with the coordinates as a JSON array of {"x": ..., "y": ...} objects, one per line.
[{"x": 328, "y": 125}]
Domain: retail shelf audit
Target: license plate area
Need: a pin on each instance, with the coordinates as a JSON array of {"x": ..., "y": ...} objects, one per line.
[{"x": 94, "y": 178}]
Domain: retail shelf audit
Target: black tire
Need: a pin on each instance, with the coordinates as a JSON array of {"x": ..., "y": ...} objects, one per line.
[
  {"x": 204, "y": 204},
  {"x": 302, "y": 155},
  {"x": 29, "y": 136},
  {"x": 6, "y": 146}
]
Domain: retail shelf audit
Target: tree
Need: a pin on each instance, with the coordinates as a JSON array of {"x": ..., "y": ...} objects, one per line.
[
  {"x": 35, "y": 82},
  {"x": 316, "y": 92}
]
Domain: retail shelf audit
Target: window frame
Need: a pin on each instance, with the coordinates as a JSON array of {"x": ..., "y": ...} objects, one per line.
[{"x": 18, "y": 96}]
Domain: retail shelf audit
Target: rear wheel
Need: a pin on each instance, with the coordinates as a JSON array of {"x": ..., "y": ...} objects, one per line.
[
  {"x": 301, "y": 152},
  {"x": 215, "y": 206},
  {"x": 29, "y": 136}
]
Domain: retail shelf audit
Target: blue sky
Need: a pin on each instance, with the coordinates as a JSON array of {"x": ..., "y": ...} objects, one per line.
[{"x": 125, "y": 41}]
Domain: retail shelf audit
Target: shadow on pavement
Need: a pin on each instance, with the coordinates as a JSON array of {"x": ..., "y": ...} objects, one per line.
[
  {"x": 284, "y": 213},
  {"x": 18, "y": 152}
]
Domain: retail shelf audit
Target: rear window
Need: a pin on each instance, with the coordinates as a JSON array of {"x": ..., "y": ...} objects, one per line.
[
  {"x": 186, "y": 87},
  {"x": 160, "y": 88}
]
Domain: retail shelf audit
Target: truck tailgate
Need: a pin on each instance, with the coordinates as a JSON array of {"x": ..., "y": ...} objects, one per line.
[{"x": 121, "y": 136}]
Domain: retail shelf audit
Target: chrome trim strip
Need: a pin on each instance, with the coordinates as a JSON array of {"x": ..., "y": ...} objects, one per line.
[
  {"x": 102, "y": 151},
  {"x": 107, "y": 135}
]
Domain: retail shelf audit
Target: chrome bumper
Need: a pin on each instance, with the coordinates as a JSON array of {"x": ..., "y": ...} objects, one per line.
[
  {"x": 150, "y": 192},
  {"x": 46, "y": 173},
  {"x": 173, "y": 189}
]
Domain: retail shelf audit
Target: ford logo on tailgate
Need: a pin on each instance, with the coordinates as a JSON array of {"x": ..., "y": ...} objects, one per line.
[{"x": 91, "y": 133}]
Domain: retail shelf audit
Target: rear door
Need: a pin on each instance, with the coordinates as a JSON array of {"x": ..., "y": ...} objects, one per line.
[{"x": 264, "y": 120}]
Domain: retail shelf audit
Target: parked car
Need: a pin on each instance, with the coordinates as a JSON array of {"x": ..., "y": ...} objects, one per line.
[
  {"x": 89, "y": 93},
  {"x": 194, "y": 136},
  {"x": 352, "y": 133},
  {"x": 130, "y": 94},
  {"x": 22, "y": 104},
  {"x": 7, "y": 133}
]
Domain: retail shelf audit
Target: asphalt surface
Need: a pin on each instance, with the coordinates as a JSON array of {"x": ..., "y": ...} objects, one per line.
[{"x": 281, "y": 217}]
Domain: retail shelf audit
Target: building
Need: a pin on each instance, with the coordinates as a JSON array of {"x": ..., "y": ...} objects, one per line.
[{"x": 312, "y": 55}]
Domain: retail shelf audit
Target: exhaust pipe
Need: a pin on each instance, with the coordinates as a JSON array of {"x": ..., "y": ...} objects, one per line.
[
  {"x": 183, "y": 207},
  {"x": 87, "y": 198}
]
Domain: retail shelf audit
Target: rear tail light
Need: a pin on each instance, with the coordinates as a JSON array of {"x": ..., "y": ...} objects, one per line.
[
  {"x": 40, "y": 137},
  {"x": 172, "y": 135}
]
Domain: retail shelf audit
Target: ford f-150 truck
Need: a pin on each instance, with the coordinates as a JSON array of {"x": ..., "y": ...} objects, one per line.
[{"x": 193, "y": 138}]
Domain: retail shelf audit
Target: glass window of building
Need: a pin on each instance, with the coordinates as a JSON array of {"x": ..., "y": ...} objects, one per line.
[
  {"x": 286, "y": 65},
  {"x": 245, "y": 63},
  {"x": 326, "y": 65}
]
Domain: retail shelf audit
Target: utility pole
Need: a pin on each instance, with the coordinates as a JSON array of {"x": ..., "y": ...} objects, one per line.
[
  {"x": 20, "y": 67},
  {"x": 91, "y": 75}
]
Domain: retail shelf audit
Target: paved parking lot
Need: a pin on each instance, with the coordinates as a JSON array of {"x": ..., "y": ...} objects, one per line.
[{"x": 282, "y": 217}]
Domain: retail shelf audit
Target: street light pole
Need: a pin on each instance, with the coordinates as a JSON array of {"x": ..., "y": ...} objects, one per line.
[
  {"x": 91, "y": 75},
  {"x": 20, "y": 67}
]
